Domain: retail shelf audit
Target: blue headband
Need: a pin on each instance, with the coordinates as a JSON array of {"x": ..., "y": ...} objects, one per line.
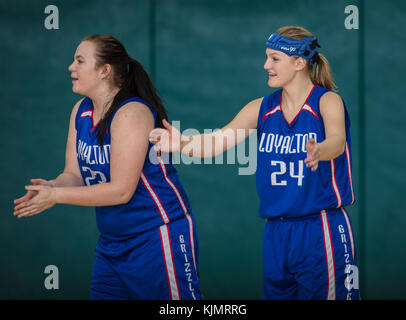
[{"x": 305, "y": 48}]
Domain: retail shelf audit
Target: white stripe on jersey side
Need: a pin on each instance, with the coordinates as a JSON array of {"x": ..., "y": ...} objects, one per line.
[
  {"x": 162, "y": 165},
  {"x": 350, "y": 233},
  {"x": 170, "y": 267},
  {"x": 334, "y": 183},
  {"x": 182, "y": 203},
  {"x": 347, "y": 155},
  {"x": 192, "y": 241},
  {"x": 328, "y": 246},
  {"x": 154, "y": 196}
]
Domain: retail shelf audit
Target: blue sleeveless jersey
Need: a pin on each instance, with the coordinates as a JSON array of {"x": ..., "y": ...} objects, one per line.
[
  {"x": 159, "y": 197},
  {"x": 286, "y": 187}
]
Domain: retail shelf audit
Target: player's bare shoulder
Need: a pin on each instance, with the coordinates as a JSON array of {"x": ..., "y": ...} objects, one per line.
[
  {"x": 133, "y": 111},
  {"x": 76, "y": 106},
  {"x": 329, "y": 98},
  {"x": 331, "y": 101},
  {"x": 253, "y": 107},
  {"x": 256, "y": 103}
]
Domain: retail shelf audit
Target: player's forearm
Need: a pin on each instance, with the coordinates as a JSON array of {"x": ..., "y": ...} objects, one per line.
[
  {"x": 210, "y": 145},
  {"x": 198, "y": 146},
  {"x": 67, "y": 179},
  {"x": 332, "y": 147},
  {"x": 104, "y": 194}
]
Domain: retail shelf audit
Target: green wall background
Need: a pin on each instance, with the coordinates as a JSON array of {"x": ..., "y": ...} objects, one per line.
[{"x": 206, "y": 59}]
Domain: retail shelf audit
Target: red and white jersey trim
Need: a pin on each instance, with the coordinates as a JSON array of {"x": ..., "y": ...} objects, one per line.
[
  {"x": 328, "y": 246},
  {"x": 347, "y": 155},
  {"x": 334, "y": 184},
  {"x": 182, "y": 203},
  {"x": 154, "y": 196},
  {"x": 169, "y": 264},
  {"x": 271, "y": 112},
  {"x": 87, "y": 113},
  {"x": 308, "y": 108}
]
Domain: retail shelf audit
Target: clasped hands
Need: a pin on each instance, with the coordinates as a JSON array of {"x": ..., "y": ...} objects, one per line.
[{"x": 39, "y": 197}]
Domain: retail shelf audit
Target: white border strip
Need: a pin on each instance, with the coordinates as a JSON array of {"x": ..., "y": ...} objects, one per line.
[
  {"x": 170, "y": 268},
  {"x": 347, "y": 155},
  {"x": 331, "y": 286},
  {"x": 182, "y": 203},
  {"x": 155, "y": 198},
  {"x": 334, "y": 182}
]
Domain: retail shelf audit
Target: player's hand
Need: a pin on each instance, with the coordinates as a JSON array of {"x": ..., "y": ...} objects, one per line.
[
  {"x": 30, "y": 194},
  {"x": 167, "y": 139},
  {"x": 41, "y": 182},
  {"x": 313, "y": 154},
  {"x": 44, "y": 199}
]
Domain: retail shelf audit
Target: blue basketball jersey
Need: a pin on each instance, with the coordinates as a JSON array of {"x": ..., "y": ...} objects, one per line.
[
  {"x": 286, "y": 187},
  {"x": 159, "y": 197}
]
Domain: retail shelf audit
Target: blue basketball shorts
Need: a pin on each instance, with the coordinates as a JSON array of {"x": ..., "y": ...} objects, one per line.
[
  {"x": 159, "y": 264},
  {"x": 311, "y": 257}
]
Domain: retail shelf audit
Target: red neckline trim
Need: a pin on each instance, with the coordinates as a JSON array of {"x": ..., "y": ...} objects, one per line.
[
  {"x": 301, "y": 108},
  {"x": 94, "y": 125},
  {"x": 271, "y": 112}
]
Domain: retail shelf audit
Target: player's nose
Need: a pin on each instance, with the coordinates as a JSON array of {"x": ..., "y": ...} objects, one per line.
[
  {"x": 267, "y": 65},
  {"x": 70, "y": 68}
]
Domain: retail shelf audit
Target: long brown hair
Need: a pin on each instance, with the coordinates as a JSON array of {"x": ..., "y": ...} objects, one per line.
[
  {"x": 320, "y": 73},
  {"x": 129, "y": 75}
]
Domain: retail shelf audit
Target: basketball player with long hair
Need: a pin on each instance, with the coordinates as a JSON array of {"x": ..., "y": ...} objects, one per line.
[
  {"x": 303, "y": 170},
  {"x": 147, "y": 230}
]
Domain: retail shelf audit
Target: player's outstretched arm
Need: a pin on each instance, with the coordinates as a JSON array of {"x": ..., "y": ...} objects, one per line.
[{"x": 208, "y": 145}]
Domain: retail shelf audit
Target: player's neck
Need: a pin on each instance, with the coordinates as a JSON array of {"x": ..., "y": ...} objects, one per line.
[
  {"x": 295, "y": 93},
  {"x": 102, "y": 99}
]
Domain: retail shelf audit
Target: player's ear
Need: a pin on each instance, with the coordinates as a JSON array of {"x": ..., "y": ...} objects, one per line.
[
  {"x": 300, "y": 63},
  {"x": 105, "y": 71}
]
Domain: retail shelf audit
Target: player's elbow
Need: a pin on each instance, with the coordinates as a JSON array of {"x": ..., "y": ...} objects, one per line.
[
  {"x": 343, "y": 144},
  {"x": 123, "y": 194},
  {"x": 340, "y": 147}
]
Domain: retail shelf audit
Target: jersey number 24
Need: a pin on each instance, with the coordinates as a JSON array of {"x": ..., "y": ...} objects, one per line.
[{"x": 282, "y": 170}]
